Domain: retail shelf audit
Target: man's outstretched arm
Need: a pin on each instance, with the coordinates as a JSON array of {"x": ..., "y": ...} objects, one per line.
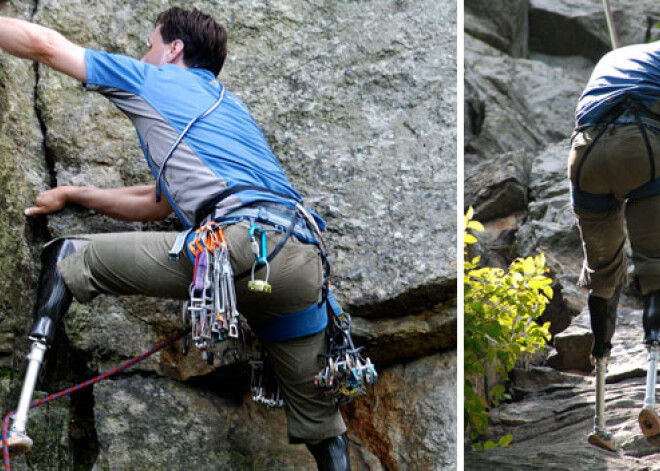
[
  {"x": 132, "y": 203},
  {"x": 31, "y": 41}
]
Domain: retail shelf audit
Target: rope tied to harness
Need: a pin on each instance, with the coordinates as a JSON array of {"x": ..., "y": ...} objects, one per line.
[{"x": 78, "y": 387}]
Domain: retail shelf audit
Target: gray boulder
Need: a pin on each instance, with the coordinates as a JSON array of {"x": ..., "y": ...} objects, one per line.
[
  {"x": 498, "y": 187},
  {"x": 568, "y": 28},
  {"x": 526, "y": 103},
  {"x": 503, "y": 26}
]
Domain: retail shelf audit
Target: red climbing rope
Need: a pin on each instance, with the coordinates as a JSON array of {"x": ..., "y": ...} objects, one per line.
[{"x": 78, "y": 387}]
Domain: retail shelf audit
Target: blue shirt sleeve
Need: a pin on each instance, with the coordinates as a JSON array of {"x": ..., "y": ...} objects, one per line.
[{"x": 114, "y": 71}]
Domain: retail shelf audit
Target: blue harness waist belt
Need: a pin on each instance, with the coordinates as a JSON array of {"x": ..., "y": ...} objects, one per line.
[
  {"x": 299, "y": 324},
  {"x": 273, "y": 218}
]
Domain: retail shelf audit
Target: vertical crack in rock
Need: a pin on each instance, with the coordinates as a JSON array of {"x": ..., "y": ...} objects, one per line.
[
  {"x": 48, "y": 152},
  {"x": 37, "y": 232},
  {"x": 82, "y": 430},
  {"x": 64, "y": 367}
]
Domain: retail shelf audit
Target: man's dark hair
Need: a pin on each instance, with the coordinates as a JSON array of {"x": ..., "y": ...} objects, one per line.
[{"x": 204, "y": 39}]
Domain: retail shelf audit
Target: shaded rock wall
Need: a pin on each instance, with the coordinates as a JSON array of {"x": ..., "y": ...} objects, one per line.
[
  {"x": 358, "y": 102},
  {"x": 524, "y": 74}
]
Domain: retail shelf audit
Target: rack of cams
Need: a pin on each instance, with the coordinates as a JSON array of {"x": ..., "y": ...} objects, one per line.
[
  {"x": 346, "y": 373},
  {"x": 263, "y": 384}
]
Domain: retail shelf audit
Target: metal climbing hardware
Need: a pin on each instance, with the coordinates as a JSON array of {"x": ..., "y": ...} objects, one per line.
[
  {"x": 261, "y": 258},
  {"x": 211, "y": 312},
  {"x": 346, "y": 372},
  {"x": 263, "y": 384}
]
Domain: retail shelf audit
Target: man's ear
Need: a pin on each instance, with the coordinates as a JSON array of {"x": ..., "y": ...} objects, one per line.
[{"x": 175, "y": 51}]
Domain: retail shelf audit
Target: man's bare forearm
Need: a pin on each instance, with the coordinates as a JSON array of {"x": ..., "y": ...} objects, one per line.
[
  {"x": 135, "y": 190},
  {"x": 38, "y": 43},
  {"x": 133, "y": 203},
  {"x": 21, "y": 38}
]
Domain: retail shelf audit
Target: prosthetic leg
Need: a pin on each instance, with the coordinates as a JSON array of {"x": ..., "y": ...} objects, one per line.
[
  {"x": 331, "y": 454},
  {"x": 648, "y": 417},
  {"x": 53, "y": 301},
  {"x": 603, "y": 323}
]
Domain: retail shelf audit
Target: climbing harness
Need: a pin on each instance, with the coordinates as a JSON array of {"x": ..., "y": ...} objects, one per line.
[
  {"x": 78, "y": 387},
  {"x": 346, "y": 373},
  {"x": 606, "y": 202}
]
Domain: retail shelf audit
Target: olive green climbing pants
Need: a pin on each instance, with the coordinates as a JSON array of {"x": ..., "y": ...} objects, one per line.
[
  {"x": 617, "y": 164},
  {"x": 137, "y": 263}
]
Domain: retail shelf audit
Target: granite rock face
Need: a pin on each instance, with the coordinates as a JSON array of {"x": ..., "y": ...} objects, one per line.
[
  {"x": 420, "y": 398},
  {"x": 358, "y": 102},
  {"x": 524, "y": 75}
]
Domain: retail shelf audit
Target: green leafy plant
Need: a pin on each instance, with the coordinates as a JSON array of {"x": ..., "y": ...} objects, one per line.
[{"x": 501, "y": 308}]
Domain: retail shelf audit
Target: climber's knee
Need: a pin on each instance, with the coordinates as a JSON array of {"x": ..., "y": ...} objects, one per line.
[{"x": 53, "y": 297}]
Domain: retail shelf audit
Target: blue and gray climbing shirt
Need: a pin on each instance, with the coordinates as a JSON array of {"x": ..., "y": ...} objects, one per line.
[
  {"x": 632, "y": 71},
  {"x": 220, "y": 152}
]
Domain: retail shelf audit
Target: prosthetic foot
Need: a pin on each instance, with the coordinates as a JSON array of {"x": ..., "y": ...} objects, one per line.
[
  {"x": 603, "y": 323},
  {"x": 600, "y": 437},
  {"x": 331, "y": 454},
  {"x": 649, "y": 422},
  {"x": 19, "y": 444},
  {"x": 53, "y": 301}
]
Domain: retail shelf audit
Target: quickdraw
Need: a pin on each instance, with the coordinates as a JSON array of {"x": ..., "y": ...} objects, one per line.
[
  {"x": 346, "y": 372},
  {"x": 211, "y": 312},
  {"x": 263, "y": 383}
]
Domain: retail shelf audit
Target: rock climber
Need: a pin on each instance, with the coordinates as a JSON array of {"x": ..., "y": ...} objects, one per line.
[
  {"x": 614, "y": 170},
  {"x": 211, "y": 162}
]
